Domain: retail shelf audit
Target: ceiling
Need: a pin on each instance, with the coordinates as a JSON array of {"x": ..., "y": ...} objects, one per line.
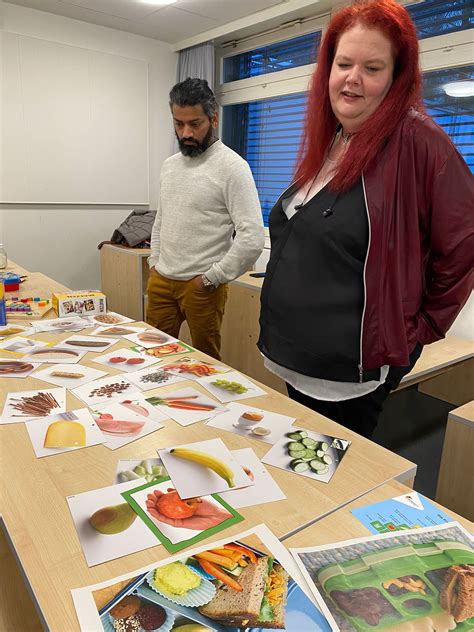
[{"x": 172, "y": 23}]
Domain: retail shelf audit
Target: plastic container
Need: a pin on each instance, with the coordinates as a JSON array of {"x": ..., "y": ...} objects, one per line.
[{"x": 3, "y": 258}]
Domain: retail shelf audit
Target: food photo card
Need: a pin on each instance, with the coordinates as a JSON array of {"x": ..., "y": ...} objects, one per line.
[
  {"x": 102, "y": 391},
  {"x": 255, "y": 423},
  {"x": 27, "y": 405},
  {"x": 124, "y": 360},
  {"x": 203, "y": 595},
  {"x": 231, "y": 387},
  {"x": 416, "y": 580},
  {"x": 110, "y": 318},
  {"x": 153, "y": 377},
  {"x": 107, "y": 526},
  {"x": 15, "y": 329},
  {"x": 55, "y": 354},
  {"x": 164, "y": 350},
  {"x": 116, "y": 330},
  {"x": 73, "y": 323},
  {"x": 264, "y": 488},
  {"x": 124, "y": 421},
  {"x": 17, "y": 368},
  {"x": 150, "y": 469},
  {"x": 70, "y": 377},
  {"x": 202, "y": 468},
  {"x": 150, "y": 338},
  {"x": 179, "y": 523},
  {"x": 186, "y": 406},
  {"x": 95, "y": 344},
  {"x": 193, "y": 369},
  {"x": 64, "y": 432},
  {"x": 308, "y": 454},
  {"x": 21, "y": 345}
]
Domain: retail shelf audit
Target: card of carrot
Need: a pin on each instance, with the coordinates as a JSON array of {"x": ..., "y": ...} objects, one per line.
[{"x": 187, "y": 406}]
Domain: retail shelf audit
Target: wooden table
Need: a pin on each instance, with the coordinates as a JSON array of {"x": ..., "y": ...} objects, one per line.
[
  {"x": 37, "y": 518},
  {"x": 342, "y": 525}
]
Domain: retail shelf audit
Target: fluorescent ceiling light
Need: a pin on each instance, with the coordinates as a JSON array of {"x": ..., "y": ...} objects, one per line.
[
  {"x": 459, "y": 89},
  {"x": 158, "y": 2}
]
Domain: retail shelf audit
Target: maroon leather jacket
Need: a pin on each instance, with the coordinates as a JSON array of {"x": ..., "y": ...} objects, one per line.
[{"x": 419, "y": 268}]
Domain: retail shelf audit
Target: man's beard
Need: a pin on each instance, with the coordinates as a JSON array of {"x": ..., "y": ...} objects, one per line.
[{"x": 198, "y": 148}]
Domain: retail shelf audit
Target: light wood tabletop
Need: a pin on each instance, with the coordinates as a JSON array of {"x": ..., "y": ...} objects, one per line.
[
  {"x": 342, "y": 525},
  {"x": 37, "y": 518}
]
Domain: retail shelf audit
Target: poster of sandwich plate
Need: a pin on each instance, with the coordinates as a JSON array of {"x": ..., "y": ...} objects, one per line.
[
  {"x": 194, "y": 369},
  {"x": 25, "y": 405},
  {"x": 107, "y": 526},
  {"x": 70, "y": 377},
  {"x": 64, "y": 432},
  {"x": 176, "y": 523},
  {"x": 179, "y": 591},
  {"x": 126, "y": 420},
  {"x": 418, "y": 580},
  {"x": 202, "y": 468}
]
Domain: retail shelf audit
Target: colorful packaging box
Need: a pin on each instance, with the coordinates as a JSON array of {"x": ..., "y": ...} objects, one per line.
[{"x": 82, "y": 303}]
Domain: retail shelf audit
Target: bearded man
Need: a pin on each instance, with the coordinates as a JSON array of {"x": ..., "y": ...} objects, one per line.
[{"x": 208, "y": 228}]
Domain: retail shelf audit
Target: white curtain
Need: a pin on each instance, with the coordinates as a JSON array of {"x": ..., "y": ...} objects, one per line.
[{"x": 197, "y": 62}]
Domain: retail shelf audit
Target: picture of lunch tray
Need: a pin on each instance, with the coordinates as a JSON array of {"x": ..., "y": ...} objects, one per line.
[{"x": 400, "y": 584}]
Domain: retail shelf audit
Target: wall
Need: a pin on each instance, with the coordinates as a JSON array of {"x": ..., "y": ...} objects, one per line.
[{"x": 62, "y": 241}]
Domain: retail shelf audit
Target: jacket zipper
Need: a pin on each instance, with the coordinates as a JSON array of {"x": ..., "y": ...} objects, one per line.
[{"x": 361, "y": 366}]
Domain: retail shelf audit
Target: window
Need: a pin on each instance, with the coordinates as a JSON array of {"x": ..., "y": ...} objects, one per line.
[
  {"x": 267, "y": 134},
  {"x": 438, "y": 17},
  {"x": 298, "y": 51},
  {"x": 454, "y": 114}
]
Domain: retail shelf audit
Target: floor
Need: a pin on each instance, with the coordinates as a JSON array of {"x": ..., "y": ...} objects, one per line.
[{"x": 413, "y": 426}]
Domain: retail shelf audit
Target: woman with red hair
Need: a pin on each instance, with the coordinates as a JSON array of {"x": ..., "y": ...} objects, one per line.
[{"x": 372, "y": 244}]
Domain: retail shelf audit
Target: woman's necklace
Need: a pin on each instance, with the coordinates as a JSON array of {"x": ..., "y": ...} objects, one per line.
[{"x": 346, "y": 137}]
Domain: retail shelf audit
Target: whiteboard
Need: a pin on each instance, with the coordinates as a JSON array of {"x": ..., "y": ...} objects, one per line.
[{"x": 74, "y": 125}]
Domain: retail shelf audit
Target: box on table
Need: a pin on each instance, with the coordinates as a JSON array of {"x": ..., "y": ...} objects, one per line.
[{"x": 83, "y": 303}]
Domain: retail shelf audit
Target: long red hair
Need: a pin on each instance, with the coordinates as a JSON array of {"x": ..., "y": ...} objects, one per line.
[{"x": 394, "y": 22}]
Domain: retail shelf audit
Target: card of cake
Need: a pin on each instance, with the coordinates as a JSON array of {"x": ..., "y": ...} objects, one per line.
[
  {"x": 104, "y": 390},
  {"x": 186, "y": 406},
  {"x": 107, "y": 526},
  {"x": 64, "y": 432},
  {"x": 202, "y": 468},
  {"x": 125, "y": 360},
  {"x": 33, "y": 405},
  {"x": 124, "y": 421},
  {"x": 70, "y": 377},
  {"x": 153, "y": 377},
  {"x": 231, "y": 387},
  {"x": 308, "y": 454},
  {"x": 255, "y": 423},
  {"x": 95, "y": 344},
  {"x": 150, "y": 338}
]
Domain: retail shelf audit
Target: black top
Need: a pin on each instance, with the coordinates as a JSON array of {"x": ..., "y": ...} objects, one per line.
[{"x": 313, "y": 294}]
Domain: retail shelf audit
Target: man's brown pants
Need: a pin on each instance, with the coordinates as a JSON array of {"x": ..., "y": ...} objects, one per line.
[{"x": 172, "y": 302}]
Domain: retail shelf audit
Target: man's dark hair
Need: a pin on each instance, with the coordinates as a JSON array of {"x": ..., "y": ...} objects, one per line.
[{"x": 194, "y": 92}]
